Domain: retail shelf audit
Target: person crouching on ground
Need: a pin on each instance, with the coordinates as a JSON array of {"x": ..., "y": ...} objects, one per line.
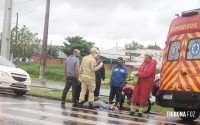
[
  {"x": 118, "y": 77},
  {"x": 146, "y": 74},
  {"x": 87, "y": 73}
]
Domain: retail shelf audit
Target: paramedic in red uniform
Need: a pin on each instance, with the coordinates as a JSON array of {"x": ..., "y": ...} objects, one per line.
[{"x": 146, "y": 74}]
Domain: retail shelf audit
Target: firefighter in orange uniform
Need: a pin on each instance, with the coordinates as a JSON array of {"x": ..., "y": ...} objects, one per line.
[{"x": 146, "y": 74}]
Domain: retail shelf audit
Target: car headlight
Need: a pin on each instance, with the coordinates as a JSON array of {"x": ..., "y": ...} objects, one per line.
[
  {"x": 28, "y": 78},
  {"x": 4, "y": 74}
]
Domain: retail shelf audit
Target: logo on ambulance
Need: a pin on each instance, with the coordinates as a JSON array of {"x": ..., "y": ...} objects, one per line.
[
  {"x": 195, "y": 49},
  {"x": 174, "y": 51}
]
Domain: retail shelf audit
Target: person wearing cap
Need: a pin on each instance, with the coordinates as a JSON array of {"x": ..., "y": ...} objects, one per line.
[
  {"x": 146, "y": 74},
  {"x": 118, "y": 77},
  {"x": 87, "y": 73}
]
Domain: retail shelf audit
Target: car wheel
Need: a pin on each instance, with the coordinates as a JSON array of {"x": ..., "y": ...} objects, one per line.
[{"x": 20, "y": 92}]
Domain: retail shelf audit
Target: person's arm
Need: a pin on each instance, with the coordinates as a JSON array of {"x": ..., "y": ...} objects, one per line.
[
  {"x": 81, "y": 69},
  {"x": 125, "y": 74},
  {"x": 103, "y": 72},
  {"x": 77, "y": 69},
  {"x": 93, "y": 65},
  {"x": 150, "y": 71},
  {"x": 65, "y": 68}
]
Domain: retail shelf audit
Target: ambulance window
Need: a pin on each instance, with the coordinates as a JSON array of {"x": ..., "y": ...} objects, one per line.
[
  {"x": 174, "y": 51},
  {"x": 193, "y": 49}
]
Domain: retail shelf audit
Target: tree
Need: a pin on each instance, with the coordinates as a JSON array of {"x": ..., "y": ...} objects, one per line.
[
  {"x": 154, "y": 47},
  {"x": 53, "y": 51},
  {"x": 77, "y": 42},
  {"x": 26, "y": 44},
  {"x": 134, "y": 46}
]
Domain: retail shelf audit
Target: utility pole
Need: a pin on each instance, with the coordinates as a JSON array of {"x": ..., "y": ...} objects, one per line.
[
  {"x": 44, "y": 44},
  {"x": 5, "y": 45},
  {"x": 16, "y": 29}
]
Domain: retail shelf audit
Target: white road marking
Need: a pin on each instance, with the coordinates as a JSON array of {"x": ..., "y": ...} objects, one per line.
[
  {"x": 28, "y": 119},
  {"x": 152, "y": 120},
  {"x": 93, "y": 115},
  {"x": 60, "y": 116}
]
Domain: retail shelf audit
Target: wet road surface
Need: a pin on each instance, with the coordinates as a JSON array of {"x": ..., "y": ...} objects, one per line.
[{"x": 27, "y": 110}]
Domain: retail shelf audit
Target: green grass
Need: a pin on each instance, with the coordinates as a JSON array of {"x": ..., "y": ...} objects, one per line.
[
  {"x": 54, "y": 72},
  {"x": 108, "y": 73},
  {"x": 48, "y": 93}
]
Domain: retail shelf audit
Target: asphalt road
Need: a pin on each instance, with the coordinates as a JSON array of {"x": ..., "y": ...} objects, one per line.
[{"x": 28, "y": 110}]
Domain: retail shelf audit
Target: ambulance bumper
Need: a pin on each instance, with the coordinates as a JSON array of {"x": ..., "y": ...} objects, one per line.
[{"x": 189, "y": 100}]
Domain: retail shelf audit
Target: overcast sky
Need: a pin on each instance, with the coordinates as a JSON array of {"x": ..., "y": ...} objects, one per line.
[{"x": 104, "y": 22}]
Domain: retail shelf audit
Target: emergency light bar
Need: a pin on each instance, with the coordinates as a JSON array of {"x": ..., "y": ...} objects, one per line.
[{"x": 190, "y": 12}]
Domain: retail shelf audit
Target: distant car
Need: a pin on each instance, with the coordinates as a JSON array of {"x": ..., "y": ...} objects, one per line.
[{"x": 13, "y": 78}]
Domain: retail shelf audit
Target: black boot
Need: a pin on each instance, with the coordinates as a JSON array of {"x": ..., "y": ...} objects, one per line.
[
  {"x": 62, "y": 102},
  {"x": 91, "y": 106},
  {"x": 80, "y": 105},
  {"x": 132, "y": 113},
  {"x": 75, "y": 104}
]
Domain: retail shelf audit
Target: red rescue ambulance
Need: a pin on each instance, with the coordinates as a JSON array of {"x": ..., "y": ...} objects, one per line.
[{"x": 180, "y": 73}]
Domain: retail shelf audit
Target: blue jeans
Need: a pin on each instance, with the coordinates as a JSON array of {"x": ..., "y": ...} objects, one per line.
[{"x": 98, "y": 103}]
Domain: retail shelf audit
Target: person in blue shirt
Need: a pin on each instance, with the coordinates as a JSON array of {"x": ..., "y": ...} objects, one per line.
[{"x": 118, "y": 77}]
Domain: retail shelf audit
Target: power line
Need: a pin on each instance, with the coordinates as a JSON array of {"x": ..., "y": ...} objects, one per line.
[
  {"x": 32, "y": 9},
  {"x": 22, "y": 2}
]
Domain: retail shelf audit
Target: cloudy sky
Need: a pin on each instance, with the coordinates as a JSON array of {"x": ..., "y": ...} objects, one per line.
[{"x": 105, "y": 22}]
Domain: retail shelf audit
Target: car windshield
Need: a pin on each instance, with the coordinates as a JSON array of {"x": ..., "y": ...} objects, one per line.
[{"x": 5, "y": 62}]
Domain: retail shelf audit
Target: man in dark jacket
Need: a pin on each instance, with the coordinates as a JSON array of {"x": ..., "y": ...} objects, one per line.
[
  {"x": 118, "y": 77},
  {"x": 100, "y": 75}
]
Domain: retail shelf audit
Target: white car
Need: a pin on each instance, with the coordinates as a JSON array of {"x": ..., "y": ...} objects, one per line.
[{"x": 13, "y": 78}]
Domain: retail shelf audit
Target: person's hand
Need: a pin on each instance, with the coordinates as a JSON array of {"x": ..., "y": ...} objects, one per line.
[
  {"x": 134, "y": 73},
  {"x": 79, "y": 80},
  {"x": 100, "y": 64},
  {"x": 103, "y": 82},
  {"x": 137, "y": 74}
]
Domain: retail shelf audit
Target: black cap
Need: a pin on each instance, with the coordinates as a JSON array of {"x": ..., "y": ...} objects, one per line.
[{"x": 120, "y": 59}]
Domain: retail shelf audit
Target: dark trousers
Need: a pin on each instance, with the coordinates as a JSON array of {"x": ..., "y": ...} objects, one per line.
[
  {"x": 78, "y": 91},
  {"x": 71, "y": 81},
  {"x": 115, "y": 91},
  {"x": 97, "y": 89}
]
